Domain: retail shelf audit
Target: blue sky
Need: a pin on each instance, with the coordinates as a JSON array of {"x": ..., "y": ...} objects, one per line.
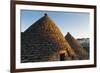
[{"x": 74, "y": 22}]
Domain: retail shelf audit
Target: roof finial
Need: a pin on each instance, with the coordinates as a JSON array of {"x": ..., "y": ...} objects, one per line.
[
  {"x": 45, "y": 14},
  {"x": 68, "y": 32}
]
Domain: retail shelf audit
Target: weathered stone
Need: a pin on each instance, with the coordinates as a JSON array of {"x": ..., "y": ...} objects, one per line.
[
  {"x": 80, "y": 51},
  {"x": 43, "y": 41}
]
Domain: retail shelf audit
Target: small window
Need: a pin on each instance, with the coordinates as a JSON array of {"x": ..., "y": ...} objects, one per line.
[{"x": 62, "y": 57}]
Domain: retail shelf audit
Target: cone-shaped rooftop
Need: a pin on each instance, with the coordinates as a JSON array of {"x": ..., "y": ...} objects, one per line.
[
  {"x": 43, "y": 38},
  {"x": 80, "y": 51},
  {"x": 43, "y": 25}
]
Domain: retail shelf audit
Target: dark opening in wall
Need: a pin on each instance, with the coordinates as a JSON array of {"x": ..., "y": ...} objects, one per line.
[{"x": 62, "y": 57}]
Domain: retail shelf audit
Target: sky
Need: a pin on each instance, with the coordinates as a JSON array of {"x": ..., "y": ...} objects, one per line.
[{"x": 74, "y": 22}]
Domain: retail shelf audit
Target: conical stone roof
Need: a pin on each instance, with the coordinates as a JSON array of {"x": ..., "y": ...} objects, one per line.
[
  {"x": 79, "y": 50},
  {"x": 44, "y": 40}
]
